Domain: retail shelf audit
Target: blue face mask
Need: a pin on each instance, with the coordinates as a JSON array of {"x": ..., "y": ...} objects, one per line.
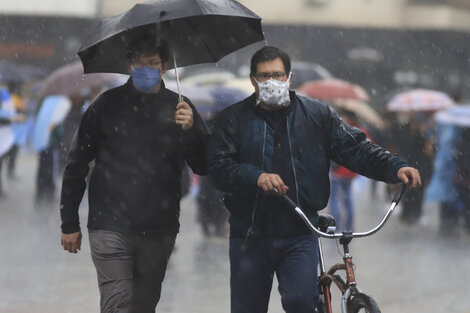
[{"x": 145, "y": 79}]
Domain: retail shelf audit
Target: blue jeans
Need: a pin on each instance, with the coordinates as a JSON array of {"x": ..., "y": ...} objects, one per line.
[
  {"x": 341, "y": 195},
  {"x": 252, "y": 268}
]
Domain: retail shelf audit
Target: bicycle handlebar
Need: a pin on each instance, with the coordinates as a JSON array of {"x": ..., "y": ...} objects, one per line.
[{"x": 395, "y": 201}]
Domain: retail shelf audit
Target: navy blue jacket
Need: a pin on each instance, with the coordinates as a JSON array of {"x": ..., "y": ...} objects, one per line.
[{"x": 241, "y": 149}]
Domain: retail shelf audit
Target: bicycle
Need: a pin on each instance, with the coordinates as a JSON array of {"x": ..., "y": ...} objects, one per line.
[{"x": 353, "y": 300}]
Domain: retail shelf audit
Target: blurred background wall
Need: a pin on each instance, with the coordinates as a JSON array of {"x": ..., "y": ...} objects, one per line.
[{"x": 380, "y": 44}]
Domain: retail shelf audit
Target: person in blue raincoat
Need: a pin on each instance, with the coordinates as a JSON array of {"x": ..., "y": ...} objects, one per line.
[
  {"x": 9, "y": 116},
  {"x": 442, "y": 187},
  {"x": 277, "y": 142}
]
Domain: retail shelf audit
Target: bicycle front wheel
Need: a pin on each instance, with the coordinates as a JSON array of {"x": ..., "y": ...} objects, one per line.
[{"x": 362, "y": 303}]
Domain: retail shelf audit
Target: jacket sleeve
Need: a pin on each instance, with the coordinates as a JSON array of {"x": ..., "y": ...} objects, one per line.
[
  {"x": 195, "y": 143},
  {"x": 82, "y": 152},
  {"x": 350, "y": 147},
  {"x": 225, "y": 169}
]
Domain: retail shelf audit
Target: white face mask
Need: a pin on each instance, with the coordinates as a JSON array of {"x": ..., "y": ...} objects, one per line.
[{"x": 274, "y": 93}]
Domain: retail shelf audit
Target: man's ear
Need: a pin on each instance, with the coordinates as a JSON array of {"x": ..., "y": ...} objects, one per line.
[
  {"x": 253, "y": 82},
  {"x": 165, "y": 68}
]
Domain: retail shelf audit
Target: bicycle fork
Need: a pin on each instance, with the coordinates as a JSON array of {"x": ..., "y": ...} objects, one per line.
[{"x": 326, "y": 278}]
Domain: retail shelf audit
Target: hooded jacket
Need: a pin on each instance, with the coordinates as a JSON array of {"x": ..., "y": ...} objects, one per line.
[{"x": 241, "y": 149}]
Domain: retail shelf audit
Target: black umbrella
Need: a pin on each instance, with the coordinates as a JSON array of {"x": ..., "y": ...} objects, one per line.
[{"x": 198, "y": 31}]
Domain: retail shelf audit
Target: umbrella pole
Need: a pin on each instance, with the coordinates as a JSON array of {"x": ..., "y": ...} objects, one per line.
[{"x": 180, "y": 98}]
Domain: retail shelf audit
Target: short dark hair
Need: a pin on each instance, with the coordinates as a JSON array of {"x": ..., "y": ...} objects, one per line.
[
  {"x": 147, "y": 44},
  {"x": 269, "y": 53}
]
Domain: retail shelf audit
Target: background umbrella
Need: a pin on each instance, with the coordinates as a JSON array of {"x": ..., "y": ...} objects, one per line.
[
  {"x": 209, "y": 78},
  {"x": 307, "y": 71},
  {"x": 241, "y": 83},
  {"x": 458, "y": 116},
  {"x": 198, "y": 31},
  {"x": 225, "y": 96},
  {"x": 199, "y": 96},
  {"x": 69, "y": 79},
  {"x": 333, "y": 88},
  {"x": 420, "y": 100},
  {"x": 53, "y": 111},
  {"x": 363, "y": 111}
]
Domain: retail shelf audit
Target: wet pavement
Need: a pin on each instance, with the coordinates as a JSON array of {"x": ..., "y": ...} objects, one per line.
[{"x": 406, "y": 268}]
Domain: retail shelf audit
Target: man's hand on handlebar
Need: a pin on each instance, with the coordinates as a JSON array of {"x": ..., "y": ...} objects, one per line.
[
  {"x": 272, "y": 184},
  {"x": 407, "y": 174}
]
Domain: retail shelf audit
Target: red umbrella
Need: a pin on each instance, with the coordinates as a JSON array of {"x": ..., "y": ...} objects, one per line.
[
  {"x": 69, "y": 79},
  {"x": 332, "y": 89}
]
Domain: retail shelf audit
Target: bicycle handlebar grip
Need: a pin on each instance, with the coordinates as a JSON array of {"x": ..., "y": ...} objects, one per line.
[
  {"x": 399, "y": 193},
  {"x": 289, "y": 201}
]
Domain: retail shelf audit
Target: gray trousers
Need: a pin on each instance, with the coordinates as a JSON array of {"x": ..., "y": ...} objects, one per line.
[{"x": 130, "y": 269}]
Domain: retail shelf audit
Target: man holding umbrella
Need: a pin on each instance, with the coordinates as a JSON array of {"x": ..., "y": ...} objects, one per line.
[
  {"x": 277, "y": 142},
  {"x": 140, "y": 136}
]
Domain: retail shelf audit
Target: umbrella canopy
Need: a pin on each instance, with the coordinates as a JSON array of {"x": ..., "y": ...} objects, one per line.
[
  {"x": 225, "y": 96},
  {"x": 209, "y": 78},
  {"x": 53, "y": 111},
  {"x": 458, "y": 116},
  {"x": 241, "y": 84},
  {"x": 69, "y": 79},
  {"x": 199, "y": 96},
  {"x": 333, "y": 88},
  {"x": 363, "y": 111},
  {"x": 307, "y": 71},
  {"x": 420, "y": 100},
  {"x": 198, "y": 31}
]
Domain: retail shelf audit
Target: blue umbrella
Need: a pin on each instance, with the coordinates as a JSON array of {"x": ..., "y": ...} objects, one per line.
[
  {"x": 53, "y": 111},
  {"x": 224, "y": 97}
]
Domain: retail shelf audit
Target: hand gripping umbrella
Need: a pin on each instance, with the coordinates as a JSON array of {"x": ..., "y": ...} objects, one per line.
[{"x": 197, "y": 31}]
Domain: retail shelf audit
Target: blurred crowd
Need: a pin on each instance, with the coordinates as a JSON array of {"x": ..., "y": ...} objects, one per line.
[{"x": 429, "y": 128}]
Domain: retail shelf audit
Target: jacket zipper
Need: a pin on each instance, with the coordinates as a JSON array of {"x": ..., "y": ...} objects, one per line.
[
  {"x": 292, "y": 161},
  {"x": 250, "y": 229}
]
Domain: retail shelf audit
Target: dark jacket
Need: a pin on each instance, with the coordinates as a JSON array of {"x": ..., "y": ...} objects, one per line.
[
  {"x": 241, "y": 148},
  {"x": 139, "y": 153}
]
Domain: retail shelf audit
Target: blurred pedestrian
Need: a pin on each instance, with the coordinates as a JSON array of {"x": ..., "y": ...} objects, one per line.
[
  {"x": 462, "y": 175},
  {"x": 414, "y": 142},
  {"x": 19, "y": 107},
  {"x": 212, "y": 214},
  {"x": 341, "y": 203},
  {"x": 276, "y": 142},
  {"x": 442, "y": 187},
  {"x": 47, "y": 140},
  {"x": 140, "y": 138},
  {"x": 8, "y": 116}
]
